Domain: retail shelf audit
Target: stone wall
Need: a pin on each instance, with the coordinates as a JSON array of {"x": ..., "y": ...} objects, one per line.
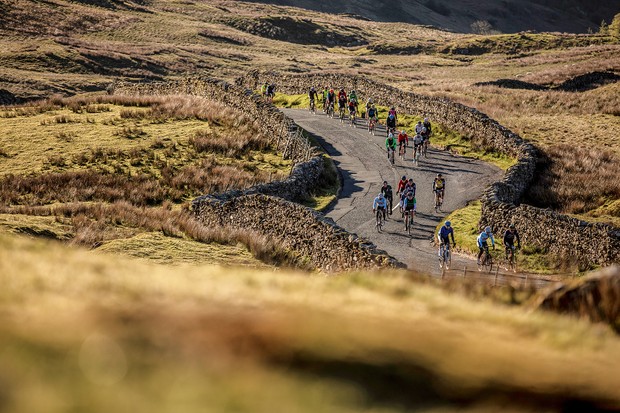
[
  {"x": 309, "y": 234},
  {"x": 584, "y": 243},
  {"x": 266, "y": 208}
]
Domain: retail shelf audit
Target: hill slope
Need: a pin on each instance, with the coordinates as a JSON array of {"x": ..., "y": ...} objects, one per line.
[{"x": 507, "y": 16}]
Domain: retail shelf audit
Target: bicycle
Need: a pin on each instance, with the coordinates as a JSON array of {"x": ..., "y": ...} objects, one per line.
[
  {"x": 352, "y": 118},
  {"x": 372, "y": 123},
  {"x": 330, "y": 110},
  {"x": 408, "y": 221},
  {"x": 312, "y": 107},
  {"x": 511, "y": 260},
  {"x": 438, "y": 200},
  {"x": 401, "y": 151},
  {"x": 342, "y": 114},
  {"x": 425, "y": 148},
  {"x": 391, "y": 155},
  {"x": 416, "y": 155},
  {"x": 379, "y": 219},
  {"x": 486, "y": 260},
  {"x": 445, "y": 256}
]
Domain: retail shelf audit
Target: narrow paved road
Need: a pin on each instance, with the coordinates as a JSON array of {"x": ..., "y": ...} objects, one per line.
[{"x": 362, "y": 161}]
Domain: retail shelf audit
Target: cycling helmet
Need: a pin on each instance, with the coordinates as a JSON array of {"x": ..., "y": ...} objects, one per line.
[
  {"x": 392, "y": 108},
  {"x": 373, "y": 106},
  {"x": 404, "y": 178},
  {"x": 438, "y": 175},
  {"x": 331, "y": 90},
  {"x": 384, "y": 182},
  {"x": 402, "y": 131},
  {"x": 448, "y": 223},
  {"x": 487, "y": 230},
  {"x": 369, "y": 100},
  {"x": 390, "y": 135},
  {"x": 410, "y": 179},
  {"x": 312, "y": 88},
  {"x": 380, "y": 195},
  {"x": 425, "y": 119},
  {"x": 512, "y": 226},
  {"x": 410, "y": 194}
]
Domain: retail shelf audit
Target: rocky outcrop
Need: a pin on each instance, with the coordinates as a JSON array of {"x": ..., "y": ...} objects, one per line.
[
  {"x": 579, "y": 242},
  {"x": 596, "y": 297},
  {"x": 309, "y": 234}
]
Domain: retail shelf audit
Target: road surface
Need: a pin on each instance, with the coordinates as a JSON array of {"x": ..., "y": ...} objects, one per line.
[{"x": 362, "y": 161}]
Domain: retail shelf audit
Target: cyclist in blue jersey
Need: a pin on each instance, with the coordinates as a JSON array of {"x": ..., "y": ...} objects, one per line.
[
  {"x": 381, "y": 204},
  {"x": 444, "y": 234},
  {"x": 482, "y": 241}
]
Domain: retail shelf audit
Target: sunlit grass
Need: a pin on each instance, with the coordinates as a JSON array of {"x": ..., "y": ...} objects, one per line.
[{"x": 125, "y": 332}]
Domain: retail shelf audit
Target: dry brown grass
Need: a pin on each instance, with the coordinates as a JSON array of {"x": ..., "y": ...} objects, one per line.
[
  {"x": 96, "y": 223},
  {"x": 576, "y": 180}
]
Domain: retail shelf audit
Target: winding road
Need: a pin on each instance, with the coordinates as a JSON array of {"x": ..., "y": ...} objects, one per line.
[{"x": 362, "y": 161}]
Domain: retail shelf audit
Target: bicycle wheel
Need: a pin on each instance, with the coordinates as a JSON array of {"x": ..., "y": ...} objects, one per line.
[
  {"x": 447, "y": 258},
  {"x": 378, "y": 220},
  {"x": 410, "y": 224},
  {"x": 441, "y": 258},
  {"x": 481, "y": 261}
]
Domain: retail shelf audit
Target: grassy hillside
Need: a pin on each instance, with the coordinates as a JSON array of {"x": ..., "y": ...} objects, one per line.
[
  {"x": 116, "y": 173},
  {"x": 100, "y": 333},
  {"x": 572, "y": 16}
]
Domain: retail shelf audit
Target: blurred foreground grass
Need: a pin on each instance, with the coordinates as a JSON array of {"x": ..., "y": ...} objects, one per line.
[{"x": 85, "y": 332}]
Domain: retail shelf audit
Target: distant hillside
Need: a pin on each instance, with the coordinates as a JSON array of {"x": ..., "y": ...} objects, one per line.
[{"x": 506, "y": 16}]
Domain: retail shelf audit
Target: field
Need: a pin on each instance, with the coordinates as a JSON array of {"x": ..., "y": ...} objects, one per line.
[
  {"x": 105, "y": 333},
  {"x": 116, "y": 173},
  {"x": 114, "y": 298}
]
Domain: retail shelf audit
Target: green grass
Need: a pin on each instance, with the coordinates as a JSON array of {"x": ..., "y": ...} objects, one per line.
[
  {"x": 301, "y": 101},
  {"x": 465, "y": 223},
  {"x": 455, "y": 142}
]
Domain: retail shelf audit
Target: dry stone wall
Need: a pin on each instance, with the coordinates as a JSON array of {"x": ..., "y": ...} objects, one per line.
[
  {"x": 267, "y": 208},
  {"x": 587, "y": 244},
  {"x": 307, "y": 233}
]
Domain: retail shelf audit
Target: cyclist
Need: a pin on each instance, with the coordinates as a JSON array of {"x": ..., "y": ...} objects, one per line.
[
  {"x": 420, "y": 129},
  {"x": 331, "y": 98},
  {"x": 312, "y": 95},
  {"x": 444, "y": 234},
  {"x": 390, "y": 123},
  {"x": 417, "y": 143},
  {"x": 271, "y": 92},
  {"x": 482, "y": 241},
  {"x": 368, "y": 105},
  {"x": 392, "y": 111},
  {"x": 429, "y": 129},
  {"x": 390, "y": 144},
  {"x": 403, "y": 140},
  {"x": 342, "y": 99},
  {"x": 410, "y": 187},
  {"x": 401, "y": 184},
  {"x": 509, "y": 239},
  {"x": 263, "y": 90},
  {"x": 409, "y": 206},
  {"x": 353, "y": 97},
  {"x": 386, "y": 190},
  {"x": 324, "y": 95},
  {"x": 372, "y": 113},
  {"x": 439, "y": 185},
  {"x": 352, "y": 108},
  {"x": 380, "y": 204}
]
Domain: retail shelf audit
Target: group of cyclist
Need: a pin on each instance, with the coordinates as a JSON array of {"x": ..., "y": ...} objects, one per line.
[
  {"x": 406, "y": 189},
  {"x": 510, "y": 236},
  {"x": 423, "y": 131}
]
